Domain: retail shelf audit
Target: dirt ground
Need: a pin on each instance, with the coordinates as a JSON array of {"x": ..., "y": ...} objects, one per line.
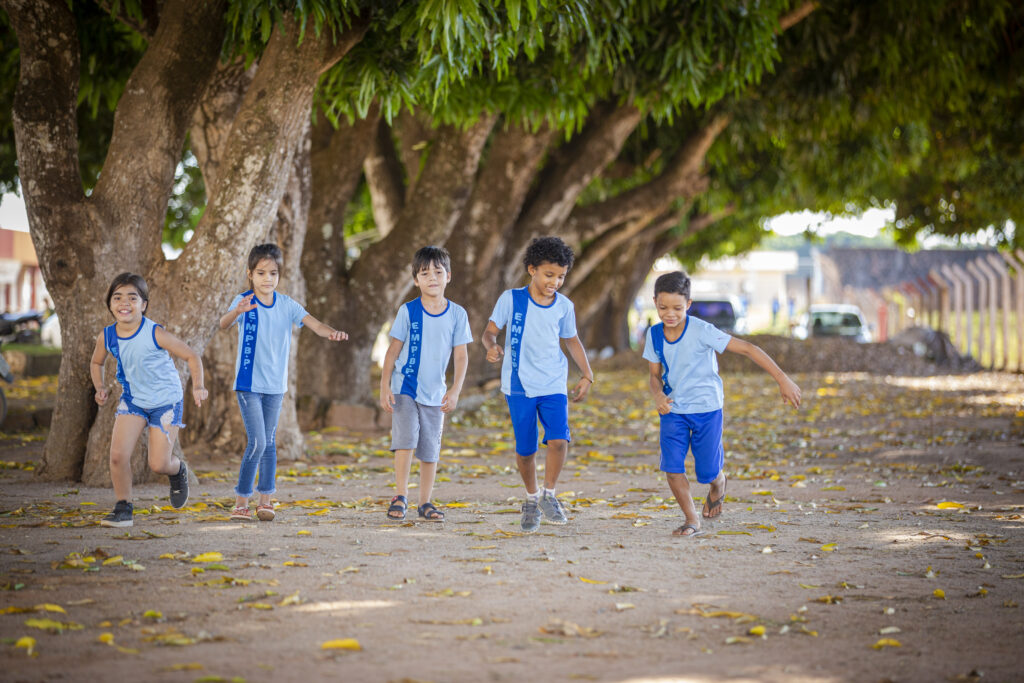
[{"x": 873, "y": 535}]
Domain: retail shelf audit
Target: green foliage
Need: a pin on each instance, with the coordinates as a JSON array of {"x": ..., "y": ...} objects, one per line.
[{"x": 186, "y": 204}]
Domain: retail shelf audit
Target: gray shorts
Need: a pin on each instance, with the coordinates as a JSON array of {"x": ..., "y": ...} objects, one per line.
[{"x": 416, "y": 426}]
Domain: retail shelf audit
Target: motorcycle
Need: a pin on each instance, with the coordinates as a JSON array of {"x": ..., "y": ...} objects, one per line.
[{"x": 7, "y": 376}]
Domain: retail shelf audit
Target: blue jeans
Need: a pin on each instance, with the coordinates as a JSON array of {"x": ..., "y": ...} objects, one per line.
[{"x": 259, "y": 413}]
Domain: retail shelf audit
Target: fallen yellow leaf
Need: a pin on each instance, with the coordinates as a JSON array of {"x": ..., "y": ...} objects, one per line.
[
  {"x": 949, "y": 505},
  {"x": 208, "y": 557},
  {"x": 829, "y": 547},
  {"x": 586, "y": 580},
  {"x": 757, "y": 631},
  {"x": 48, "y": 607},
  {"x": 106, "y": 638},
  {"x": 939, "y": 593},
  {"x": 886, "y": 642},
  {"x": 27, "y": 643},
  {"x": 342, "y": 644},
  {"x": 116, "y": 559}
]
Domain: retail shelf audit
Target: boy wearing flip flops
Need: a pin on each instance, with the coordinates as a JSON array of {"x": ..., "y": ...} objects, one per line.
[
  {"x": 688, "y": 393},
  {"x": 426, "y": 333}
]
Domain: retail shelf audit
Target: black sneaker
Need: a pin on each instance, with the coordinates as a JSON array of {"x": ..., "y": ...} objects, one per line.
[
  {"x": 179, "y": 487},
  {"x": 121, "y": 516}
]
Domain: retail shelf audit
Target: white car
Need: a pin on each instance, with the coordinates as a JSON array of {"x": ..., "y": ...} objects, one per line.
[{"x": 833, "y": 320}]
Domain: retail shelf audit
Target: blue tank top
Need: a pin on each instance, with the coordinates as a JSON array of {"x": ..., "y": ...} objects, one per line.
[{"x": 145, "y": 371}]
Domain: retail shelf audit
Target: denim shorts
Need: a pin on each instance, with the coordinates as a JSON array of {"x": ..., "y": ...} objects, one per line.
[
  {"x": 161, "y": 417},
  {"x": 416, "y": 426}
]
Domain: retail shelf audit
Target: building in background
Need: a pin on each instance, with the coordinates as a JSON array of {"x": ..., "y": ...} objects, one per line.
[{"x": 21, "y": 282}]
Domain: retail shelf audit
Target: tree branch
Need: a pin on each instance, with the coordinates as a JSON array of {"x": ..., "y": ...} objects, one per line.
[
  {"x": 383, "y": 172},
  {"x": 790, "y": 19}
]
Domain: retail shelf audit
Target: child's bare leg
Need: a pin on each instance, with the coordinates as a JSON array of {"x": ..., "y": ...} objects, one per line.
[
  {"x": 680, "y": 486},
  {"x": 527, "y": 465},
  {"x": 716, "y": 492},
  {"x": 127, "y": 429},
  {"x": 403, "y": 463},
  {"x": 557, "y": 450},
  {"x": 161, "y": 456},
  {"x": 428, "y": 472}
]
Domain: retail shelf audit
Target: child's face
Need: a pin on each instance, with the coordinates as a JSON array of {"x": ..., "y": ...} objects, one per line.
[
  {"x": 265, "y": 277},
  {"x": 547, "y": 277},
  {"x": 671, "y": 308},
  {"x": 127, "y": 304},
  {"x": 432, "y": 279}
]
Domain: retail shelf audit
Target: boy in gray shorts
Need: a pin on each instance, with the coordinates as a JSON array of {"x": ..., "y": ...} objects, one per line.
[{"x": 426, "y": 333}]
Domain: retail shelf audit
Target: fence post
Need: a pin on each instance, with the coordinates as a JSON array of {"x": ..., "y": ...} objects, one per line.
[
  {"x": 958, "y": 306},
  {"x": 997, "y": 265},
  {"x": 968, "y": 287},
  {"x": 991, "y": 282},
  {"x": 942, "y": 286},
  {"x": 1017, "y": 263}
]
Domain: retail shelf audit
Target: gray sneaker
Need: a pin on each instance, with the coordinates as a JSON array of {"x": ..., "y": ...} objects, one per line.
[
  {"x": 554, "y": 513},
  {"x": 120, "y": 517},
  {"x": 179, "y": 487},
  {"x": 531, "y": 516}
]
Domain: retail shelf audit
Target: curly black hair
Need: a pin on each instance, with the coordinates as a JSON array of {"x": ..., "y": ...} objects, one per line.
[
  {"x": 676, "y": 282},
  {"x": 548, "y": 250}
]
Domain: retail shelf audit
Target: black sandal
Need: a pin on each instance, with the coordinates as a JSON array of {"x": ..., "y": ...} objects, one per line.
[
  {"x": 430, "y": 513},
  {"x": 398, "y": 504}
]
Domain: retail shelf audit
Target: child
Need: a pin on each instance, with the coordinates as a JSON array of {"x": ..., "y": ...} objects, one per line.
[
  {"x": 688, "y": 393},
  {"x": 427, "y": 331},
  {"x": 261, "y": 371},
  {"x": 151, "y": 392},
  {"x": 535, "y": 371}
]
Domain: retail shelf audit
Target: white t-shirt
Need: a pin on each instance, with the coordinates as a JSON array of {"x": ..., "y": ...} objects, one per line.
[{"x": 429, "y": 340}]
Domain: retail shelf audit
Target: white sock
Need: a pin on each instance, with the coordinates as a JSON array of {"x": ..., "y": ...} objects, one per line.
[
  {"x": 549, "y": 492},
  {"x": 533, "y": 496}
]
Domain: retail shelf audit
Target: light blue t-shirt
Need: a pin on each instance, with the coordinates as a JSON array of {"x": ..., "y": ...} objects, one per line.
[
  {"x": 689, "y": 365},
  {"x": 534, "y": 364},
  {"x": 429, "y": 340},
  {"x": 145, "y": 370},
  {"x": 264, "y": 340}
]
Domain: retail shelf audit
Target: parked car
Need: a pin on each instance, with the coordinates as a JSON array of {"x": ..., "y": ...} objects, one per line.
[
  {"x": 724, "y": 312},
  {"x": 833, "y": 320}
]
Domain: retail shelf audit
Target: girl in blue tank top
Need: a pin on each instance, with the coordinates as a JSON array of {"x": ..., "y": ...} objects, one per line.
[{"x": 151, "y": 392}]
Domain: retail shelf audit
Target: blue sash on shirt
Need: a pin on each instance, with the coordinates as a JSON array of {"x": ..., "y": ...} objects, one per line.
[
  {"x": 658, "y": 340},
  {"x": 247, "y": 354},
  {"x": 412, "y": 361},
  {"x": 110, "y": 339},
  {"x": 520, "y": 304}
]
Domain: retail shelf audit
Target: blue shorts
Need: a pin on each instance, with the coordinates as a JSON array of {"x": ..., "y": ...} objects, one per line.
[
  {"x": 701, "y": 432},
  {"x": 161, "y": 418},
  {"x": 553, "y": 411}
]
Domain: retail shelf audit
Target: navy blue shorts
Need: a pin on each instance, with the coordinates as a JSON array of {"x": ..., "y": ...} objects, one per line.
[
  {"x": 160, "y": 418},
  {"x": 701, "y": 432},
  {"x": 553, "y": 412}
]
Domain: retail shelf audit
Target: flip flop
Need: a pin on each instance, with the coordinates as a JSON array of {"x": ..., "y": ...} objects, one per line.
[
  {"x": 697, "y": 531},
  {"x": 710, "y": 505}
]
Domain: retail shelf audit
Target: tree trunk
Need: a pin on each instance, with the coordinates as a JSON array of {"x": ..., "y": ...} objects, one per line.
[
  {"x": 376, "y": 284},
  {"x": 82, "y": 242}
]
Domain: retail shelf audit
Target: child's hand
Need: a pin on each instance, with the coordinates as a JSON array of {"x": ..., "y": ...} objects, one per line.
[
  {"x": 495, "y": 353},
  {"x": 245, "y": 305},
  {"x": 101, "y": 396},
  {"x": 790, "y": 392},
  {"x": 664, "y": 404},
  {"x": 200, "y": 394},
  {"x": 387, "y": 399},
  {"x": 335, "y": 335},
  {"x": 579, "y": 392},
  {"x": 450, "y": 400}
]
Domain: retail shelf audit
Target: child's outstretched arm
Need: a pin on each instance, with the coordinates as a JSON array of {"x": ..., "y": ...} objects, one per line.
[
  {"x": 387, "y": 398},
  {"x": 451, "y": 397},
  {"x": 579, "y": 355},
  {"x": 244, "y": 306},
  {"x": 181, "y": 350},
  {"x": 323, "y": 330},
  {"x": 661, "y": 401},
  {"x": 490, "y": 341},
  {"x": 787, "y": 387},
  {"x": 99, "y": 356}
]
